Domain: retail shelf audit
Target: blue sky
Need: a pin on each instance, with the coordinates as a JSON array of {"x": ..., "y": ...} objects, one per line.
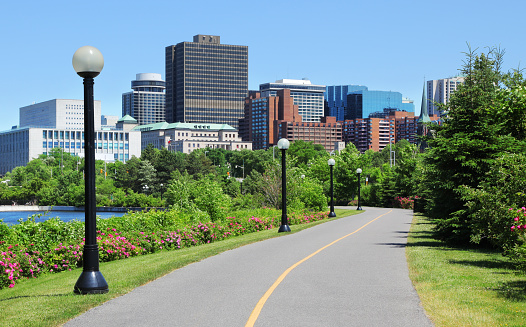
[{"x": 385, "y": 45}]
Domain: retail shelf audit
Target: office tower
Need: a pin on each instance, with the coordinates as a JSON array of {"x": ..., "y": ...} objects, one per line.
[
  {"x": 364, "y": 103},
  {"x": 206, "y": 81},
  {"x": 336, "y": 99},
  {"x": 146, "y": 102},
  {"x": 439, "y": 91},
  {"x": 308, "y": 97}
]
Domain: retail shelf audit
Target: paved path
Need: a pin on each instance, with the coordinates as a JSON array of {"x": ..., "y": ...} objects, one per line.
[{"x": 359, "y": 280}]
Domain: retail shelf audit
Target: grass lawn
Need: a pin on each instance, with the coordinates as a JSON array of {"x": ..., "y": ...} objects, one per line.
[
  {"x": 49, "y": 300},
  {"x": 464, "y": 287}
]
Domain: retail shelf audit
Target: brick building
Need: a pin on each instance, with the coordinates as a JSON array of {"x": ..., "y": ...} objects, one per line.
[{"x": 267, "y": 119}]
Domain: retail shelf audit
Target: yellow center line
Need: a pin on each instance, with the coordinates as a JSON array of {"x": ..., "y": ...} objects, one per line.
[{"x": 259, "y": 306}]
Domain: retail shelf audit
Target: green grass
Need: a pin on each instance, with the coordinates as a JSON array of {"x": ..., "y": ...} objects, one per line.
[
  {"x": 49, "y": 300},
  {"x": 464, "y": 287}
]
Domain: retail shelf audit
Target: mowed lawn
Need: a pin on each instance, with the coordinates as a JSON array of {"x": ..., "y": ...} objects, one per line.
[{"x": 464, "y": 287}]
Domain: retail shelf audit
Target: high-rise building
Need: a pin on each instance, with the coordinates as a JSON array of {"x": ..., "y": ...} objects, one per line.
[
  {"x": 262, "y": 115},
  {"x": 308, "y": 97},
  {"x": 146, "y": 102},
  {"x": 364, "y": 103},
  {"x": 269, "y": 118},
  {"x": 336, "y": 99},
  {"x": 439, "y": 91},
  {"x": 206, "y": 81}
]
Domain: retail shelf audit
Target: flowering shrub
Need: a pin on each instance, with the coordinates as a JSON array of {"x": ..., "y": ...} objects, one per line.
[
  {"x": 404, "y": 202},
  {"x": 17, "y": 261},
  {"x": 519, "y": 220},
  {"x": 517, "y": 251}
]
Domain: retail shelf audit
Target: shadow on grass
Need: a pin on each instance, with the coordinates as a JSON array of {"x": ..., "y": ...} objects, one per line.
[
  {"x": 490, "y": 264},
  {"x": 514, "y": 291},
  {"x": 34, "y": 296},
  {"x": 424, "y": 238}
]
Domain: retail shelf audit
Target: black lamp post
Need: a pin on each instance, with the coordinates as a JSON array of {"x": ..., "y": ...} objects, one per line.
[
  {"x": 283, "y": 145},
  {"x": 88, "y": 63},
  {"x": 359, "y": 172},
  {"x": 331, "y": 163}
]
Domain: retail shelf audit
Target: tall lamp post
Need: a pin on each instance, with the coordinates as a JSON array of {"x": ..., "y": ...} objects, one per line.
[
  {"x": 331, "y": 163},
  {"x": 283, "y": 145},
  {"x": 359, "y": 172},
  {"x": 88, "y": 63}
]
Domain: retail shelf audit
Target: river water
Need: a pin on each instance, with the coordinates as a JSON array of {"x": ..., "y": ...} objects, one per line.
[{"x": 11, "y": 217}]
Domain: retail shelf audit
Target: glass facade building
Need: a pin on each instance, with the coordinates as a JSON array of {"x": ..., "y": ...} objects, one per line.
[
  {"x": 206, "y": 81},
  {"x": 308, "y": 97},
  {"x": 364, "y": 103},
  {"x": 336, "y": 99},
  {"x": 146, "y": 102}
]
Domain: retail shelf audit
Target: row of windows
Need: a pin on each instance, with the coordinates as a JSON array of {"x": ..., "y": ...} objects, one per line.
[
  {"x": 49, "y": 134},
  {"x": 79, "y": 145},
  {"x": 209, "y": 55}
]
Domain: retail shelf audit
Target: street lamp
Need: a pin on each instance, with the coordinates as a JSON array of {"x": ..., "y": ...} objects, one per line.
[
  {"x": 88, "y": 63},
  {"x": 283, "y": 145},
  {"x": 331, "y": 163},
  {"x": 359, "y": 171},
  {"x": 161, "y": 191},
  {"x": 242, "y": 167}
]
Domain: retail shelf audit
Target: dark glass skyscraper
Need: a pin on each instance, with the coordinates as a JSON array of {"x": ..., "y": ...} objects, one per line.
[{"x": 206, "y": 81}]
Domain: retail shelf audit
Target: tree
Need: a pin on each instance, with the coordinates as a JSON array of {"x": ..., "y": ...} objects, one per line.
[
  {"x": 466, "y": 145},
  {"x": 304, "y": 152}
]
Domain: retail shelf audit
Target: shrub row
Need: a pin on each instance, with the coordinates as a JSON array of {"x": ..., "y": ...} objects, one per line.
[{"x": 119, "y": 239}]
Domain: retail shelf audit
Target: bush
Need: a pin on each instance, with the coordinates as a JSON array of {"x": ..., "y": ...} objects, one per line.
[{"x": 123, "y": 237}]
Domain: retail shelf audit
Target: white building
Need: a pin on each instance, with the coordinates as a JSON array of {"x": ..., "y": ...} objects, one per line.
[
  {"x": 187, "y": 137},
  {"x": 58, "y": 113},
  {"x": 147, "y": 101},
  {"x": 54, "y": 124},
  {"x": 440, "y": 90},
  {"x": 308, "y": 97}
]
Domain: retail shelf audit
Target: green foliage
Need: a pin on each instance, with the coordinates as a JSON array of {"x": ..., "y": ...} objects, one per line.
[
  {"x": 312, "y": 196},
  {"x": 208, "y": 196},
  {"x": 489, "y": 204},
  {"x": 466, "y": 146},
  {"x": 305, "y": 152}
]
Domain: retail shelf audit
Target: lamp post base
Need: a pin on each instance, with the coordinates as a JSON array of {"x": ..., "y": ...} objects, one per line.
[
  {"x": 359, "y": 208},
  {"x": 91, "y": 282},
  {"x": 284, "y": 228},
  {"x": 332, "y": 214}
]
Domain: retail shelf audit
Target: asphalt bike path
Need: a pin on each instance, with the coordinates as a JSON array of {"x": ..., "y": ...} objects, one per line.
[{"x": 346, "y": 272}]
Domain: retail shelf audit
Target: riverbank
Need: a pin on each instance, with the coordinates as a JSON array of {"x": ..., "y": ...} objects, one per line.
[{"x": 72, "y": 208}]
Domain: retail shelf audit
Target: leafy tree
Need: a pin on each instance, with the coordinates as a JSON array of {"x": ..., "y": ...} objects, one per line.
[{"x": 304, "y": 152}]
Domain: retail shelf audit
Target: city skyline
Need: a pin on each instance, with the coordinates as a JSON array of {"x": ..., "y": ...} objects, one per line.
[{"x": 388, "y": 46}]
